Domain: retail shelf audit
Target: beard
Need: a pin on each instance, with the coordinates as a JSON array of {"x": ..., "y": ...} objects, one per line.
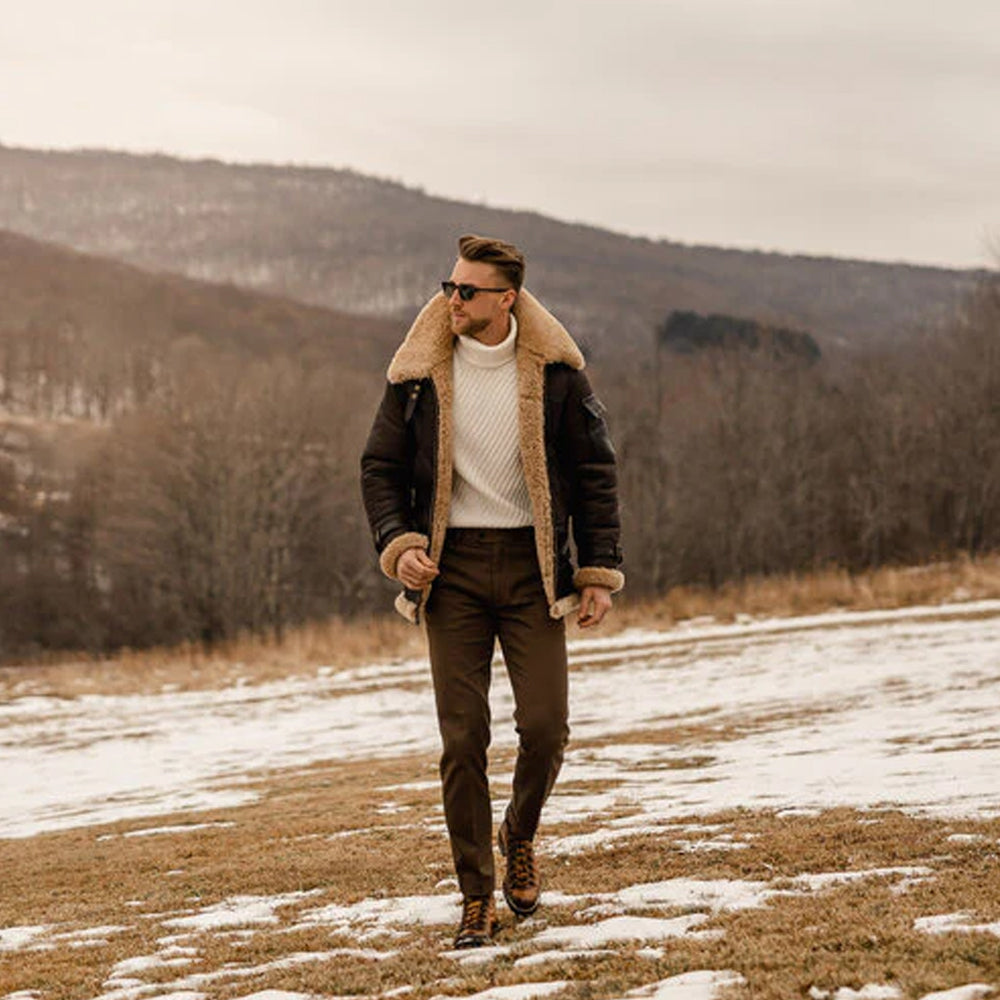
[{"x": 468, "y": 327}]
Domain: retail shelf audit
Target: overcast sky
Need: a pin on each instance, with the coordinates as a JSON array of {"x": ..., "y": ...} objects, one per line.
[{"x": 862, "y": 128}]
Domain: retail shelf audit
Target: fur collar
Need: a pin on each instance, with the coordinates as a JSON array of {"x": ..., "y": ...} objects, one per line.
[{"x": 430, "y": 340}]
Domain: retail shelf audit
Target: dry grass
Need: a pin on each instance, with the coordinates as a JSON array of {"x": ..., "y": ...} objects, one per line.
[
  {"x": 321, "y": 830},
  {"x": 810, "y": 593},
  {"x": 249, "y": 659},
  {"x": 341, "y": 644}
]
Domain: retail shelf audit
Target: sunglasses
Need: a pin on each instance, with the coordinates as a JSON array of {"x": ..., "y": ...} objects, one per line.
[{"x": 466, "y": 292}]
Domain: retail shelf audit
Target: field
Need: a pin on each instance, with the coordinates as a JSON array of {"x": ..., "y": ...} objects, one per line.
[{"x": 764, "y": 807}]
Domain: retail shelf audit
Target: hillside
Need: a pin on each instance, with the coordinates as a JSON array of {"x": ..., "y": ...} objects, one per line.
[
  {"x": 76, "y": 325},
  {"x": 341, "y": 240}
]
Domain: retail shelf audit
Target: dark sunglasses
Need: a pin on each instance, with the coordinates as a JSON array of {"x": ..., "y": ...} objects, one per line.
[{"x": 466, "y": 292}]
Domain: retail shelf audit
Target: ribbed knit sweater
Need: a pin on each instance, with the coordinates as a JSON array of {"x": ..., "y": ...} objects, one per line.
[{"x": 488, "y": 489}]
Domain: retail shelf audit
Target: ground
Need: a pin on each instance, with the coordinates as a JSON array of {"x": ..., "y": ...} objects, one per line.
[{"x": 783, "y": 807}]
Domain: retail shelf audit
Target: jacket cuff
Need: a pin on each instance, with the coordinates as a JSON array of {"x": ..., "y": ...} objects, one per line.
[
  {"x": 599, "y": 576},
  {"x": 391, "y": 553}
]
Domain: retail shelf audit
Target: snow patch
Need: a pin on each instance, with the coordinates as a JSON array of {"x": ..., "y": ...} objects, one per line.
[
  {"x": 572, "y": 954},
  {"x": 586, "y": 936},
  {"x": 872, "y": 991},
  {"x": 954, "y": 923},
  {"x": 825, "y": 880},
  {"x": 155, "y": 831},
  {"x": 396, "y": 911},
  {"x": 973, "y": 991},
  {"x": 239, "y": 911},
  {"x": 715, "y": 895},
  {"x": 522, "y": 991},
  {"x": 277, "y": 995},
  {"x": 17, "y": 938},
  {"x": 702, "y": 984}
]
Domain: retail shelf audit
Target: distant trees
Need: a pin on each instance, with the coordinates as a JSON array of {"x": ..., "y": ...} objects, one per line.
[
  {"x": 739, "y": 461},
  {"x": 686, "y": 332},
  {"x": 228, "y": 503},
  {"x": 211, "y": 494}
]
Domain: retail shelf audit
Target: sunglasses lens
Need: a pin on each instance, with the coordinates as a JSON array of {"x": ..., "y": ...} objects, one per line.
[{"x": 465, "y": 292}]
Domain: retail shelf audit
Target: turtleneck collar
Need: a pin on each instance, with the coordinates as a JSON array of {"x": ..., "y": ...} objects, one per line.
[{"x": 471, "y": 352}]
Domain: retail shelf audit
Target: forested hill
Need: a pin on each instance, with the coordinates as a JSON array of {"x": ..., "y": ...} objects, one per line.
[
  {"x": 339, "y": 239},
  {"x": 79, "y": 334}
]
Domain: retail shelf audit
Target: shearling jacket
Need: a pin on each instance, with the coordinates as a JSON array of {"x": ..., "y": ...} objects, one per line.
[{"x": 566, "y": 453}]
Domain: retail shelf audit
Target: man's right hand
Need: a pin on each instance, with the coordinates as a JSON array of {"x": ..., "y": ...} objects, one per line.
[{"x": 415, "y": 569}]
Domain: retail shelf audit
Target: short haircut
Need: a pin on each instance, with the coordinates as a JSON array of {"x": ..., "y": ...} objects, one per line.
[{"x": 505, "y": 257}]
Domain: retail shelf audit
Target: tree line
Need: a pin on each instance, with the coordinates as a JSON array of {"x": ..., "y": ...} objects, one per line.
[
  {"x": 223, "y": 499},
  {"x": 738, "y": 462}
]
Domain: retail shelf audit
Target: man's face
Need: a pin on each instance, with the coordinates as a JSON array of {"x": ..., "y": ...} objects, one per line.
[{"x": 471, "y": 318}]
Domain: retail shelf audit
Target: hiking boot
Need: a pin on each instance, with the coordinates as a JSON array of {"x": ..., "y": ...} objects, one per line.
[
  {"x": 479, "y": 922},
  {"x": 522, "y": 883}
]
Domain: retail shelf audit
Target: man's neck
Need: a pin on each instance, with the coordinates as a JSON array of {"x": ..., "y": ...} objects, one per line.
[{"x": 495, "y": 333}]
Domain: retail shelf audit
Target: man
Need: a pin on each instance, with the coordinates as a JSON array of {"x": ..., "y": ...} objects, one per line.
[{"x": 488, "y": 444}]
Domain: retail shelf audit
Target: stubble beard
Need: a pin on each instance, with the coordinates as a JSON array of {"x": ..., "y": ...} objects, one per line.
[{"x": 470, "y": 327}]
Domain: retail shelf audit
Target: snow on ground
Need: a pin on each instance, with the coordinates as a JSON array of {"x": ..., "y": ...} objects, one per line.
[
  {"x": 952, "y": 923},
  {"x": 700, "y": 985},
  {"x": 973, "y": 991},
  {"x": 859, "y": 709},
  {"x": 522, "y": 991},
  {"x": 240, "y": 911},
  {"x": 596, "y": 923},
  {"x": 871, "y": 991}
]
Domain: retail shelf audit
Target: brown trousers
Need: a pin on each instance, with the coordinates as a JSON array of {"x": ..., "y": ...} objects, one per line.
[{"x": 489, "y": 588}]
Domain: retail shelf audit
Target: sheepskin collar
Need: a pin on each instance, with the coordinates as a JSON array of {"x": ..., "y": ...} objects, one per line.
[{"x": 430, "y": 340}]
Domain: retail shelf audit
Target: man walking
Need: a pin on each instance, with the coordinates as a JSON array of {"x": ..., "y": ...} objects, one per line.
[{"x": 488, "y": 448}]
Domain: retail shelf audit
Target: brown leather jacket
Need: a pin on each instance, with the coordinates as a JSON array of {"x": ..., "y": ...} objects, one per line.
[{"x": 568, "y": 458}]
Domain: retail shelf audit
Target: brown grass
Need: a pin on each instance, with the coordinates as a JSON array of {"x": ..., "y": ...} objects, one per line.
[
  {"x": 810, "y": 593},
  {"x": 249, "y": 659},
  {"x": 845, "y": 936},
  {"x": 340, "y": 644}
]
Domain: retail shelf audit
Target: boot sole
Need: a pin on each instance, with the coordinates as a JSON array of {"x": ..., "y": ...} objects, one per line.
[
  {"x": 518, "y": 909},
  {"x": 477, "y": 942}
]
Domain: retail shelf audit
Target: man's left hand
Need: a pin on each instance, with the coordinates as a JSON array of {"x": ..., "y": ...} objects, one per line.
[{"x": 595, "y": 602}]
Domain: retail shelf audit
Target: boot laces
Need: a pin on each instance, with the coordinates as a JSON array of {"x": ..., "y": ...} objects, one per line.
[
  {"x": 521, "y": 870},
  {"x": 475, "y": 914}
]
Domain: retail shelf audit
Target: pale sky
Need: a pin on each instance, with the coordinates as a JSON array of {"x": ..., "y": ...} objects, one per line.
[{"x": 860, "y": 128}]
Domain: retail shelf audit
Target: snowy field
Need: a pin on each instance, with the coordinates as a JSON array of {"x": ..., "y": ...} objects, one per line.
[{"x": 864, "y": 710}]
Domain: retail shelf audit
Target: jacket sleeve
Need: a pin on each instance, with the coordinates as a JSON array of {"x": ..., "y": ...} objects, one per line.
[
  {"x": 593, "y": 504},
  {"x": 386, "y": 480}
]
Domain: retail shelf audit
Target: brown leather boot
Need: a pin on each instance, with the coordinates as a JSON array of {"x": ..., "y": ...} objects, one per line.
[
  {"x": 522, "y": 883},
  {"x": 479, "y": 922}
]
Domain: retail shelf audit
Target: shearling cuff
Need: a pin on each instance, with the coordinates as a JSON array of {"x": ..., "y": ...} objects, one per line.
[
  {"x": 599, "y": 576},
  {"x": 564, "y": 606},
  {"x": 406, "y": 607},
  {"x": 391, "y": 553}
]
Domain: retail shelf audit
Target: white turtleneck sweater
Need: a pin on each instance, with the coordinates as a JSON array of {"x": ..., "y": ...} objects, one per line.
[{"x": 488, "y": 489}]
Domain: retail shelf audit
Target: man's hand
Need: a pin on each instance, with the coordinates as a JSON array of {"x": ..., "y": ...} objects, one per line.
[
  {"x": 595, "y": 602},
  {"x": 415, "y": 569}
]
